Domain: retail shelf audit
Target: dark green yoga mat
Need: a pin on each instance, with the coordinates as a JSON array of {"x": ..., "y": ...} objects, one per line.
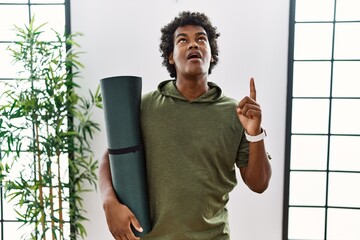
[{"x": 121, "y": 100}]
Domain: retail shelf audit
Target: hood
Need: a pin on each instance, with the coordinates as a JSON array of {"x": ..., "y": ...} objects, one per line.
[{"x": 168, "y": 88}]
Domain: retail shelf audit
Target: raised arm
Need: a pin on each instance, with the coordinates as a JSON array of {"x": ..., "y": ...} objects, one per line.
[{"x": 257, "y": 173}]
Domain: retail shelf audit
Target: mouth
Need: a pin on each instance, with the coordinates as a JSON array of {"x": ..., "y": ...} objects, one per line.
[{"x": 193, "y": 55}]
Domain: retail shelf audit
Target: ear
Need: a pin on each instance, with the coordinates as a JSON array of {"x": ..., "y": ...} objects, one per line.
[
  {"x": 212, "y": 59},
  {"x": 171, "y": 59}
]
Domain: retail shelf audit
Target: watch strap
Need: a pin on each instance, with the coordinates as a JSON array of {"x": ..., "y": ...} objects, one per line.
[{"x": 256, "y": 138}]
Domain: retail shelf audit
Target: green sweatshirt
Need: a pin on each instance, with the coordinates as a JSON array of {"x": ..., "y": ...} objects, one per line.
[{"x": 191, "y": 150}]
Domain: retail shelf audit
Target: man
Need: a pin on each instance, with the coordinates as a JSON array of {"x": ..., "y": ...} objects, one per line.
[{"x": 193, "y": 137}]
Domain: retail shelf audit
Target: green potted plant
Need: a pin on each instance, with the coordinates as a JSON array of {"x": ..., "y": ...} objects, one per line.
[{"x": 45, "y": 134}]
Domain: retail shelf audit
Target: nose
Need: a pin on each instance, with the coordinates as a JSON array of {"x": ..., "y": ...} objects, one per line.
[{"x": 193, "y": 45}]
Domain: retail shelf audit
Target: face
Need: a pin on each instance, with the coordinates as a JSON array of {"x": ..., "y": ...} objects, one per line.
[{"x": 192, "y": 52}]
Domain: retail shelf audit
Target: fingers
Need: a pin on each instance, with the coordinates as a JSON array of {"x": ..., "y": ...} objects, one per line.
[
  {"x": 248, "y": 108},
  {"x": 126, "y": 236},
  {"x": 136, "y": 224},
  {"x": 248, "y": 104},
  {"x": 251, "y": 99},
  {"x": 120, "y": 219},
  {"x": 249, "y": 111},
  {"x": 252, "y": 89},
  {"x": 127, "y": 233}
]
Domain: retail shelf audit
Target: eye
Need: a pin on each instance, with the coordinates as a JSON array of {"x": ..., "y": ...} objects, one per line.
[
  {"x": 182, "y": 40},
  {"x": 202, "y": 39}
]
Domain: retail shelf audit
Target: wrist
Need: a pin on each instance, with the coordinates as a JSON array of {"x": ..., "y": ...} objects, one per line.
[{"x": 109, "y": 200}]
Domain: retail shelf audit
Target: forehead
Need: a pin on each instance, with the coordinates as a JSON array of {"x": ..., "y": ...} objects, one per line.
[{"x": 188, "y": 30}]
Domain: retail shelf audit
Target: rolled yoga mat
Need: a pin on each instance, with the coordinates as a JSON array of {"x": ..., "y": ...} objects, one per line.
[{"x": 121, "y": 100}]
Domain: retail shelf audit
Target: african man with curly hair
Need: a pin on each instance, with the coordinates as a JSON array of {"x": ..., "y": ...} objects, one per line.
[
  {"x": 187, "y": 18},
  {"x": 195, "y": 137}
]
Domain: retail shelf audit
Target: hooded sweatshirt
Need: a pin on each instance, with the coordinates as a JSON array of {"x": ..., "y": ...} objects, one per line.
[{"x": 191, "y": 150}]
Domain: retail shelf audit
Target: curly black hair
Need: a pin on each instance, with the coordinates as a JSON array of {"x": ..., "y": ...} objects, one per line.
[{"x": 183, "y": 19}]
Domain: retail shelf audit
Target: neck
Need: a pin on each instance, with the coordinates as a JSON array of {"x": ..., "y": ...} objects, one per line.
[{"x": 191, "y": 89}]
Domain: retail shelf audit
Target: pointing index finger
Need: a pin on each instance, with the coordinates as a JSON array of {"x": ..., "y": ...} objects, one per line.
[{"x": 252, "y": 89}]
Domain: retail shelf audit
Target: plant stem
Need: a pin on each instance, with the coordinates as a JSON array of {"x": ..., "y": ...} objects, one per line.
[
  {"x": 51, "y": 195},
  {"x": 41, "y": 198},
  {"x": 61, "y": 218},
  {"x": 32, "y": 41}
]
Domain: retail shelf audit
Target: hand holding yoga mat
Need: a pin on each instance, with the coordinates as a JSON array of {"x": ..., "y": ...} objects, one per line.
[{"x": 121, "y": 100}]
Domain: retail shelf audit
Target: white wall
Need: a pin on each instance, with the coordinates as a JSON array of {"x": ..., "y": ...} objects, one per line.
[{"x": 121, "y": 37}]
